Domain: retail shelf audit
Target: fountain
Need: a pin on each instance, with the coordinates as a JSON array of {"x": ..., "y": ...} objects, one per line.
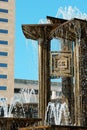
[
  {"x": 30, "y": 102},
  {"x": 72, "y": 69},
  {"x": 21, "y": 103},
  {"x": 18, "y": 113},
  {"x": 16, "y": 108},
  {"x": 3, "y": 107},
  {"x": 57, "y": 113},
  {"x": 28, "y": 95}
]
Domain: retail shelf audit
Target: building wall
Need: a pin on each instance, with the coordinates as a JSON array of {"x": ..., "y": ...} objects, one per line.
[
  {"x": 56, "y": 88},
  {"x": 7, "y": 25}
]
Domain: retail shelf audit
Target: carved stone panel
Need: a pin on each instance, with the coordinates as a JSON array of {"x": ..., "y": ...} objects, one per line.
[{"x": 60, "y": 64}]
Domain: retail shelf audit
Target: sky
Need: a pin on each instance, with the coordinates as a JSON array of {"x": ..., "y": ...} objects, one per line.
[{"x": 35, "y": 12}]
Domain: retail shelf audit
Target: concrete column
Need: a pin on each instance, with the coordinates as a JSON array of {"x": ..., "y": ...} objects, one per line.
[
  {"x": 77, "y": 74},
  {"x": 67, "y": 82},
  {"x": 44, "y": 76}
]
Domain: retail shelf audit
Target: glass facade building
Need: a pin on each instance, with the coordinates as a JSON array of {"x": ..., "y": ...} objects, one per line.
[{"x": 7, "y": 26}]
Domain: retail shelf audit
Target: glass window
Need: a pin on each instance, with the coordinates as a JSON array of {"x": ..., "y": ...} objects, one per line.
[
  {"x": 3, "y": 65},
  {"x": 3, "y": 88},
  {"x": 3, "y": 20},
  {"x": 3, "y": 76},
  {"x": 3, "y": 31},
  {"x": 3, "y": 53},
  {"x": 4, "y": 0},
  {"x": 3, "y": 10},
  {"x": 4, "y": 42}
]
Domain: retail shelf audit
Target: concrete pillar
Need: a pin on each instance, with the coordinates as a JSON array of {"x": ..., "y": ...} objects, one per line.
[
  {"x": 44, "y": 76},
  {"x": 67, "y": 82}
]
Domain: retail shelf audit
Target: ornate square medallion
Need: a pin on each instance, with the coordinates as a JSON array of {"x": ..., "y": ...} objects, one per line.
[{"x": 60, "y": 64}]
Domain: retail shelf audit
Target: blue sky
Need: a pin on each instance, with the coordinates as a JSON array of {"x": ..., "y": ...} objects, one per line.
[{"x": 31, "y": 12}]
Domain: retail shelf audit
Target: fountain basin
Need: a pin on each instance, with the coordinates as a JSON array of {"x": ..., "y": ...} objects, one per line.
[
  {"x": 58, "y": 127},
  {"x": 11, "y": 123},
  {"x": 55, "y": 127}
]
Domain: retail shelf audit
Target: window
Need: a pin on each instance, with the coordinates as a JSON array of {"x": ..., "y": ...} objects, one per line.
[
  {"x": 3, "y": 10},
  {"x": 3, "y": 65},
  {"x": 3, "y": 31},
  {"x": 4, "y": 42},
  {"x": 3, "y": 53},
  {"x": 3, "y": 88},
  {"x": 3, "y": 20},
  {"x": 3, "y": 76},
  {"x": 4, "y": 0},
  {"x": 17, "y": 90}
]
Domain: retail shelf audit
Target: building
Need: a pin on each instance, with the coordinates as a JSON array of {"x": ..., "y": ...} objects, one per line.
[
  {"x": 7, "y": 30},
  {"x": 26, "y": 85}
]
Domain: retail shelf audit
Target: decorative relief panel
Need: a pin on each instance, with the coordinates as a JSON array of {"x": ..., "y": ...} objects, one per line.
[{"x": 60, "y": 64}]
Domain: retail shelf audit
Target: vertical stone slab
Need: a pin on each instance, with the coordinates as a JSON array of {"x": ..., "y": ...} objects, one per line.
[
  {"x": 67, "y": 84},
  {"x": 44, "y": 76}
]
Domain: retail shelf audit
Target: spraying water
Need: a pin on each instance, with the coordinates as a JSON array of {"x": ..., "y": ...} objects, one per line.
[
  {"x": 70, "y": 12},
  {"x": 28, "y": 95},
  {"x": 16, "y": 105},
  {"x": 57, "y": 113}
]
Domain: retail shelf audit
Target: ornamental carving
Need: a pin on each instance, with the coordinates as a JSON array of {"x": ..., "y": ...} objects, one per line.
[{"x": 60, "y": 64}]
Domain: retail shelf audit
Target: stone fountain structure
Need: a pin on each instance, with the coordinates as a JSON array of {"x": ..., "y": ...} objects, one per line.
[
  {"x": 19, "y": 113},
  {"x": 70, "y": 63}
]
